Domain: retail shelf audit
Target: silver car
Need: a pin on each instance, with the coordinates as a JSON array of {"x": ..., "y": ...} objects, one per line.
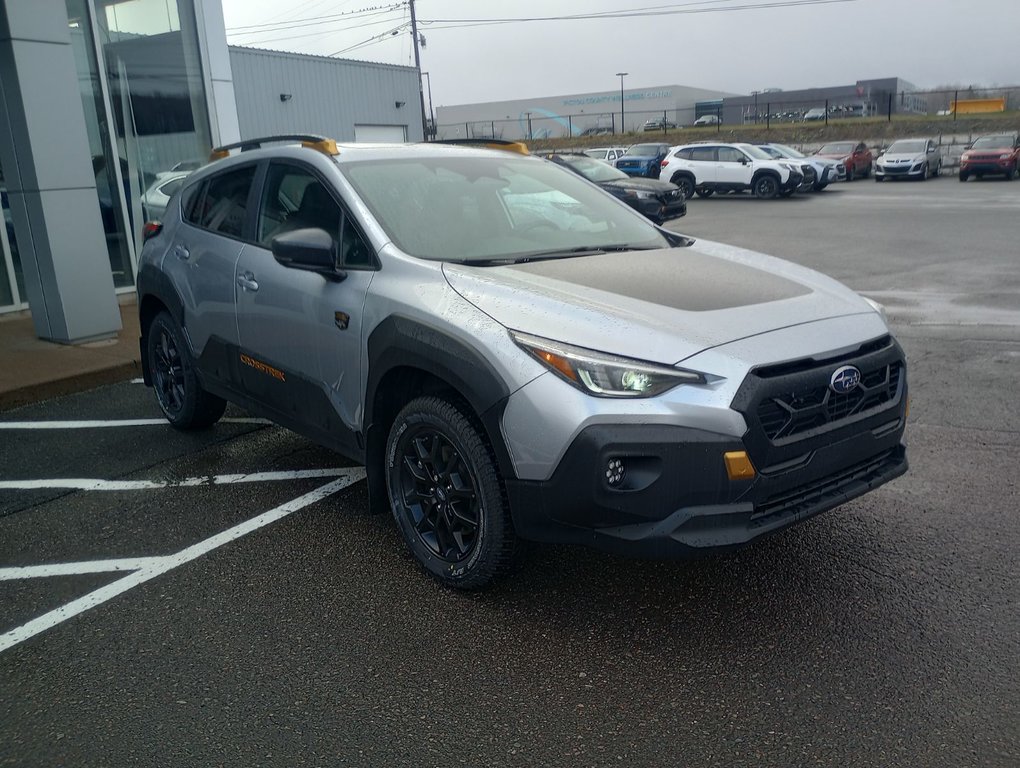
[
  {"x": 909, "y": 159},
  {"x": 827, "y": 170},
  {"x": 515, "y": 354}
]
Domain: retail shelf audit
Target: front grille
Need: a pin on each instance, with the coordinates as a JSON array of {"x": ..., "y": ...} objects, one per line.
[
  {"x": 808, "y": 408},
  {"x": 828, "y": 489},
  {"x": 894, "y": 169}
]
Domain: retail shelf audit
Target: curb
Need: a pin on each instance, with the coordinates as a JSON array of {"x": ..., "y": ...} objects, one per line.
[{"x": 81, "y": 382}]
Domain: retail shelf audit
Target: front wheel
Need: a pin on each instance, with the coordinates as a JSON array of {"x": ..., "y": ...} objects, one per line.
[
  {"x": 866, "y": 172},
  {"x": 686, "y": 185},
  {"x": 766, "y": 187},
  {"x": 447, "y": 496},
  {"x": 705, "y": 192},
  {"x": 179, "y": 394},
  {"x": 849, "y": 173}
]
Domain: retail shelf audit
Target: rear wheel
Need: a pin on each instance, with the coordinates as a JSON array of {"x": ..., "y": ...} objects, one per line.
[
  {"x": 686, "y": 184},
  {"x": 180, "y": 396},
  {"x": 705, "y": 192},
  {"x": 447, "y": 496},
  {"x": 766, "y": 187}
]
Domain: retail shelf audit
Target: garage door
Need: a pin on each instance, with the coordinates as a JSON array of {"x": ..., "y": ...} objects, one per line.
[{"x": 382, "y": 133}]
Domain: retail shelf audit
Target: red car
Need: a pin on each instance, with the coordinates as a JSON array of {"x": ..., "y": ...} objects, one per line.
[
  {"x": 994, "y": 155},
  {"x": 856, "y": 157}
]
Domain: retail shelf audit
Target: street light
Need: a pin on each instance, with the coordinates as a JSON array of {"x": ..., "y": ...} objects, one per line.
[{"x": 622, "y": 75}]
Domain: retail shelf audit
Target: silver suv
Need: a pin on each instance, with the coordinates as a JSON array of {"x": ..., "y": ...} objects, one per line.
[{"x": 513, "y": 353}]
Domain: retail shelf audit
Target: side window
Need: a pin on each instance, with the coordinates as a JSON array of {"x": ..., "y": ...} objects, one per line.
[
  {"x": 293, "y": 198},
  {"x": 224, "y": 206},
  {"x": 683, "y": 154},
  {"x": 190, "y": 200},
  {"x": 354, "y": 251},
  {"x": 703, "y": 154},
  {"x": 730, "y": 155}
]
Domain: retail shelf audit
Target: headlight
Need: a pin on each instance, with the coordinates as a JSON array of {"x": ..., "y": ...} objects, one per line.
[
  {"x": 641, "y": 194},
  {"x": 605, "y": 375},
  {"x": 965, "y": 156},
  {"x": 1005, "y": 156},
  {"x": 877, "y": 307},
  {"x": 790, "y": 167}
]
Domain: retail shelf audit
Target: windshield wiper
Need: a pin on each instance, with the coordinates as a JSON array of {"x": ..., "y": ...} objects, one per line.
[{"x": 559, "y": 253}]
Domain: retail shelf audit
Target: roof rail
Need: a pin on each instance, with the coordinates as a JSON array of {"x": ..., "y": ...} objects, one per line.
[
  {"x": 509, "y": 146},
  {"x": 312, "y": 141}
]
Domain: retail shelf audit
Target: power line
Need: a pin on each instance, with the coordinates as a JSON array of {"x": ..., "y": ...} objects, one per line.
[
  {"x": 276, "y": 26},
  {"x": 330, "y": 31}
]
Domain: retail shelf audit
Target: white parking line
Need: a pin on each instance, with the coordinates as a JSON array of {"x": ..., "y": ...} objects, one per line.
[
  {"x": 76, "y": 569},
  {"x": 137, "y": 381},
  {"x": 112, "y": 423},
  {"x": 89, "y": 484},
  {"x": 157, "y": 566}
]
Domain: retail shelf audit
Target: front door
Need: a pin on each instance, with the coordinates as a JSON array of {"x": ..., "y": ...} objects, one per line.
[
  {"x": 300, "y": 332},
  {"x": 733, "y": 169}
]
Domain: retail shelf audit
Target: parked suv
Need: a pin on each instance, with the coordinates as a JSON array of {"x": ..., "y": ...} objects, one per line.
[
  {"x": 708, "y": 168},
  {"x": 854, "y": 155},
  {"x": 643, "y": 160},
  {"x": 514, "y": 354},
  {"x": 995, "y": 155}
]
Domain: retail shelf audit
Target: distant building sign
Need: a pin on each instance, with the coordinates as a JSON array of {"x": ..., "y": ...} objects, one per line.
[{"x": 578, "y": 101}]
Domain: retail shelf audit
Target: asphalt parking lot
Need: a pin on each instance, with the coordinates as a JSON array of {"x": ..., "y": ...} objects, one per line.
[{"x": 225, "y": 598}]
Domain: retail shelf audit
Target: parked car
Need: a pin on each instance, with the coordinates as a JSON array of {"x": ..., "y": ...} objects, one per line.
[
  {"x": 643, "y": 160},
  {"x": 707, "y": 120},
  {"x": 658, "y": 124},
  {"x": 993, "y": 155},
  {"x": 826, "y": 170},
  {"x": 184, "y": 166},
  {"x": 909, "y": 158},
  {"x": 705, "y": 169},
  {"x": 608, "y": 154},
  {"x": 156, "y": 197},
  {"x": 855, "y": 156},
  {"x": 815, "y": 113},
  {"x": 658, "y": 200},
  {"x": 503, "y": 376},
  {"x": 598, "y": 130}
]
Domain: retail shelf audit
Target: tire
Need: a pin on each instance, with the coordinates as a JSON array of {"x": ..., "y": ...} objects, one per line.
[
  {"x": 849, "y": 173},
  {"x": 766, "y": 187},
  {"x": 180, "y": 396},
  {"x": 447, "y": 497},
  {"x": 819, "y": 187},
  {"x": 879, "y": 178},
  {"x": 938, "y": 170},
  {"x": 866, "y": 172},
  {"x": 686, "y": 185},
  {"x": 787, "y": 193},
  {"x": 705, "y": 192},
  {"x": 1011, "y": 174},
  {"x": 964, "y": 177},
  {"x": 925, "y": 173}
]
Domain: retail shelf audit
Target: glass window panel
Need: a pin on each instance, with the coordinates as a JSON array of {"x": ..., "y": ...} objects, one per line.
[
  {"x": 294, "y": 199},
  {"x": 225, "y": 207}
]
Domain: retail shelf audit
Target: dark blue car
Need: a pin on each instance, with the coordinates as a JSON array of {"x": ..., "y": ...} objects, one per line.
[{"x": 643, "y": 160}]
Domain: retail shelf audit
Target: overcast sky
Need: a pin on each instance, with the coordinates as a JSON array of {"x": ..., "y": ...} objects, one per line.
[{"x": 836, "y": 42}]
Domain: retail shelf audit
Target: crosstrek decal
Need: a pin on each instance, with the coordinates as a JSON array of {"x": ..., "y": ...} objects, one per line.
[{"x": 261, "y": 367}]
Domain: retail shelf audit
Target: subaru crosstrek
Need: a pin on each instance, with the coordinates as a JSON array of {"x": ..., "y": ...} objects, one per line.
[{"x": 513, "y": 353}]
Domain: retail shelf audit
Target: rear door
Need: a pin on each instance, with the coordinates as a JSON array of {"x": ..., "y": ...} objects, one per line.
[
  {"x": 703, "y": 161},
  {"x": 299, "y": 331},
  {"x": 201, "y": 261}
]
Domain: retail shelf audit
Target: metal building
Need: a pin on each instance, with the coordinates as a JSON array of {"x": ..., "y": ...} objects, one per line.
[{"x": 343, "y": 99}]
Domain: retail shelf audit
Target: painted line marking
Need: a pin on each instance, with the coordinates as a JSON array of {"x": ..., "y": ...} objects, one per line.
[
  {"x": 137, "y": 381},
  {"x": 112, "y": 423},
  {"x": 165, "y": 564},
  {"x": 90, "y": 484},
  {"x": 76, "y": 569}
]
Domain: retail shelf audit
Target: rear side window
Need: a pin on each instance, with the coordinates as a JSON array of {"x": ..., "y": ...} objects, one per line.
[
  {"x": 703, "y": 154},
  {"x": 683, "y": 154},
  {"x": 223, "y": 205}
]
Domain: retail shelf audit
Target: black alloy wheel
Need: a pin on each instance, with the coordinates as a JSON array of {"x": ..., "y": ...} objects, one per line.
[
  {"x": 766, "y": 187},
  {"x": 686, "y": 186},
  {"x": 447, "y": 496},
  {"x": 180, "y": 395}
]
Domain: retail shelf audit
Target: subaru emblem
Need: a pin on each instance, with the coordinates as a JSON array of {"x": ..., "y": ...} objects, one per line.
[{"x": 845, "y": 379}]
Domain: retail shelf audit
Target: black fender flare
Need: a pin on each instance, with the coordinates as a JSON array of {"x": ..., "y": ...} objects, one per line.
[
  {"x": 400, "y": 342},
  {"x": 154, "y": 284}
]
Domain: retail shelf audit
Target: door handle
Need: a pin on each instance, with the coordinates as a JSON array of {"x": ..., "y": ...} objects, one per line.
[
  {"x": 247, "y": 282},
  {"x": 182, "y": 253}
]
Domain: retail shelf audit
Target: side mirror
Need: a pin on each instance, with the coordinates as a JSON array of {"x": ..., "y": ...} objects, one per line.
[
  {"x": 744, "y": 161},
  {"x": 312, "y": 250}
]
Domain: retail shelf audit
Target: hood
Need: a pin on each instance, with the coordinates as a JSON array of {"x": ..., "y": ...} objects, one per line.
[
  {"x": 834, "y": 156},
  {"x": 903, "y": 157},
  {"x": 649, "y": 185},
  {"x": 662, "y": 306}
]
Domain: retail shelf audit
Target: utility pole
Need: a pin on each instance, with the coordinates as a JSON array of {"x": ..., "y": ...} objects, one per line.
[
  {"x": 622, "y": 75},
  {"x": 417, "y": 66}
]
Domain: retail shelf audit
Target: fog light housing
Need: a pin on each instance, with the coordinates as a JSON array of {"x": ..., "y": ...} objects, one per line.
[{"x": 614, "y": 473}]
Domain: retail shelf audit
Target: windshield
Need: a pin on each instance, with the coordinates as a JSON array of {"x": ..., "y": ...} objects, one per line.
[
  {"x": 836, "y": 149},
  {"x": 487, "y": 208},
  {"x": 906, "y": 148},
  {"x": 644, "y": 150},
  {"x": 593, "y": 170},
  {"x": 788, "y": 151},
  {"x": 993, "y": 142},
  {"x": 756, "y": 152},
  {"x": 598, "y": 154}
]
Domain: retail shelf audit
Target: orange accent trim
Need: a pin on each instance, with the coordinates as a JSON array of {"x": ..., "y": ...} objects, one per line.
[
  {"x": 326, "y": 146},
  {"x": 738, "y": 465},
  {"x": 261, "y": 367}
]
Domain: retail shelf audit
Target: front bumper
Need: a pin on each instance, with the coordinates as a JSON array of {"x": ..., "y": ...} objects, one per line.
[
  {"x": 658, "y": 210},
  {"x": 811, "y": 450},
  {"x": 973, "y": 167},
  {"x": 899, "y": 171},
  {"x": 792, "y": 183}
]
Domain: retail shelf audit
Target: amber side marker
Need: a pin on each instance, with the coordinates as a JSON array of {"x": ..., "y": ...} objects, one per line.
[{"x": 738, "y": 465}]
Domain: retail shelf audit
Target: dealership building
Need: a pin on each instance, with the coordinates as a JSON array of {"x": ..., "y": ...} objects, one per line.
[{"x": 101, "y": 100}]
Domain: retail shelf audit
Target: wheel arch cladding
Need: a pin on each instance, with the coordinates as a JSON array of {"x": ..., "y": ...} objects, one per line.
[
  {"x": 155, "y": 294},
  {"x": 408, "y": 358}
]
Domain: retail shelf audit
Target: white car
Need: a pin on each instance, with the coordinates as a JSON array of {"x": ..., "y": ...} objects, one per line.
[
  {"x": 826, "y": 170},
  {"x": 704, "y": 169},
  {"x": 909, "y": 158},
  {"x": 156, "y": 197},
  {"x": 708, "y": 120},
  {"x": 609, "y": 154}
]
